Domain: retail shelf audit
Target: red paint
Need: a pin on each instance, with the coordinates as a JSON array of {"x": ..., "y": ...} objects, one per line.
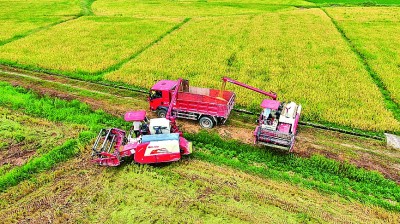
[
  {"x": 191, "y": 102},
  {"x": 270, "y": 104},
  {"x": 284, "y": 128},
  {"x": 135, "y": 115}
]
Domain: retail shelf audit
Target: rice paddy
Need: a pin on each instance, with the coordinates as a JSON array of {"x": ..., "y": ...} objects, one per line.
[
  {"x": 277, "y": 52},
  {"x": 87, "y": 44},
  {"x": 327, "y": 59},
  {"x": 365, "y": 27}
]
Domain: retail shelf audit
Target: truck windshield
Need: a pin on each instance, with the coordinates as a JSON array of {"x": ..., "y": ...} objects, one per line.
[{"x": 155, "y": 94}]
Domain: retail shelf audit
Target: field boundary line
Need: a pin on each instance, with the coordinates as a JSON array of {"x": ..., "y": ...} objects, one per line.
[
  {"x": 390, "y": 103},
  {"x": 35, "y": 30},
  {"x": 136, "y": 54}
]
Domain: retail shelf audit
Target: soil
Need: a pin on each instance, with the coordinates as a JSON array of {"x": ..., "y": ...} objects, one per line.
[
  {"x": 308, "y": 141},
  {"x": 62, "y": 204},
  {"x": 15, "y": 156}
]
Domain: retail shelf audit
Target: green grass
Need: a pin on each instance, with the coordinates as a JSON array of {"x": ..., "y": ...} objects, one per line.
[
  {"x": 317, "y": 172},
  {"x": 187, "y": 191},
  {"x": 53, "y": 109},
  {"x": 326, "y": 176},
  {"x": 23, "y": 137}
]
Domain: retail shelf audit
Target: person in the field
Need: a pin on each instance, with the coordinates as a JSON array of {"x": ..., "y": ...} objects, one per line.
[{"x": 136, "y": 128}]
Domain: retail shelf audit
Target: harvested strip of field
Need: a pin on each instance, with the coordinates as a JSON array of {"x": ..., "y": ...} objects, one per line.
[
  {"x": 366, "y": 153},
  {"x": 72, "y": 112},
  {"x": 189, "y": 8},
  {"x": 23, "y": 137},
  {"x": 277, "y": 51},
  {"x": 375, "y": 32},
  {"x": 316, "y": 172},
  {"x": 198, "y": 191},
  {"x": 85, "y": 45}
]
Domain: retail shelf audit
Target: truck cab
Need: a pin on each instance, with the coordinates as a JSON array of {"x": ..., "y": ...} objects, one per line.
[{"x": 160, "y": 96}]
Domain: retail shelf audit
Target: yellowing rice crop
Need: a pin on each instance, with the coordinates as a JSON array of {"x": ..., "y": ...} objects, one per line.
[
  {"x": 19, "y": 17},
  {"x": 376, "y": 34},
  {"x": 14, "y": 27},
  {"x": 88, "y": 44},
  {"x": 298, "y": 54},
  {"x": 188, "y": 8}
]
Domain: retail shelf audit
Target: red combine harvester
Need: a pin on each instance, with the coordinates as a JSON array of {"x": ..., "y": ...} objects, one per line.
[
  {"x": 158, "y": 140},
  {"x": 277, "y": 123}
]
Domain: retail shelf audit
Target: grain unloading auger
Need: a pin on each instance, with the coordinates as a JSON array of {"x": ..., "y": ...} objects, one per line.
[
  {"x": 278, "y": 121},
  {"x": 156, "y": 141}
]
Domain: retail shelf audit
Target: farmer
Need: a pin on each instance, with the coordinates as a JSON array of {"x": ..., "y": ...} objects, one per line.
[{"x": 136, "y": 128}]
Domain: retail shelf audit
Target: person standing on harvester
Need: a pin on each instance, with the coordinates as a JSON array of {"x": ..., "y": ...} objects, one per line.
[{"x": 136, "y": 128}]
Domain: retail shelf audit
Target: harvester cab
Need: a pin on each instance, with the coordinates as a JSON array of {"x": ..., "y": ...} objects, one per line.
[{"x": 140, "y": 125}]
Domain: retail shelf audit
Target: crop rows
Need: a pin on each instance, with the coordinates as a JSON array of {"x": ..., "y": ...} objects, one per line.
[
  {"x": 317, "y": 172},
  {"x": 357, "y": 2},
  {"x": 277, "y": 51},
  {"x": 19, "y": 18},
  {"x": 197, "y": 190},
  {"x": 86, "y": 45},
  {"x": 364, "y": 27}
]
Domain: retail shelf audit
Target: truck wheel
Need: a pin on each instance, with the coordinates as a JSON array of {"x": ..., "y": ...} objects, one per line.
[
  {"x": 206, "y": 122},
  {"x": 161, "y": 113}
]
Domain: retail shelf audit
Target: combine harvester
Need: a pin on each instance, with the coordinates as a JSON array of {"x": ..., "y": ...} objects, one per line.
[
  {"x": 277, "y": 124},
  {"x": 158, "y": 142}
]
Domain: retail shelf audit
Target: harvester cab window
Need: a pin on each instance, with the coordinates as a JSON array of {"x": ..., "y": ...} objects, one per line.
[
  {"x": 266, "y": 112},
  {"x": 155, "y": 94}
]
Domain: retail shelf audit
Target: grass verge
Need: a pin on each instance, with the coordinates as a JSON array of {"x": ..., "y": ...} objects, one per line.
[
  {"x": 317, "y": 172},
  {"x": 57, "y": 110}
]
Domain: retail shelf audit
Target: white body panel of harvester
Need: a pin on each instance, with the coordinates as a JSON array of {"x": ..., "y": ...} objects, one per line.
[
  {"x": 162, "y": 147},
  {"x": 290, "y": 111},
  {"x": 160, "y": 122}
]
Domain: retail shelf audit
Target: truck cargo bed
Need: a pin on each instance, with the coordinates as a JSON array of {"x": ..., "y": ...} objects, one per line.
[{"x": 205, "y": 101}]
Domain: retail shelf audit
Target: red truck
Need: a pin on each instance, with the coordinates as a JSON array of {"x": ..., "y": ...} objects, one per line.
[{"x": 209, "y": 106}]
